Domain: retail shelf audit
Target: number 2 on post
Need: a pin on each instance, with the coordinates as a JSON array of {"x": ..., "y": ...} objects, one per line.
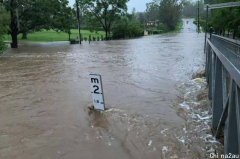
[{"x": 96, "y": 89}]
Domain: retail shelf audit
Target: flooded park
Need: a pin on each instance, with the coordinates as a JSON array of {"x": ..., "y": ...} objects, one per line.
[{"x": 45, "y": 89}]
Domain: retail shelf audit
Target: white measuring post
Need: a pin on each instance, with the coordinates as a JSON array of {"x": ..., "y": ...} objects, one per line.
[{"x": 97, "y": 91}]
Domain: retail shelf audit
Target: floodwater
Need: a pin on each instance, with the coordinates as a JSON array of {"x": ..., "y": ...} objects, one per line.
[{"x": 44, "y": 90}]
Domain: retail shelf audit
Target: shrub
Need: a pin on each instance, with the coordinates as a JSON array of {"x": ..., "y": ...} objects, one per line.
[
  {"x": 157, "y": 31},
  {"x": 163, "y": 27},
  {"x": 127, "y": 29}
]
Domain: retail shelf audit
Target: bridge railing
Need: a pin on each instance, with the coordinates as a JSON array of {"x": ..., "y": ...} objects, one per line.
[{"x": 223, "y": 76}]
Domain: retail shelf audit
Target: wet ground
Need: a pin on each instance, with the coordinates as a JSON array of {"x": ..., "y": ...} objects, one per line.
[{"x": 44, "y": 89}]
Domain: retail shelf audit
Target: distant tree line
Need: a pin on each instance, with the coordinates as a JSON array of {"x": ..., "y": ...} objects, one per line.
[
  {"x": 27, "y": 16},
  {"x": 224, "y": 21},
  {"x": 190, "y": 9},
  {"x": 164, "y": 15}
]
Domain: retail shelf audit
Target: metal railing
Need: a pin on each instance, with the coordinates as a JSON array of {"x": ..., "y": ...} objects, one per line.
[{"x": 223, "y": 77}]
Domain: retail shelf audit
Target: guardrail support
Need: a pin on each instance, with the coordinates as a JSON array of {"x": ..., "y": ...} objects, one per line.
[
  {"x": 231, "y": 127},
  {"x": 238, "y": 114},
  {"x": 217, "y": 104}
]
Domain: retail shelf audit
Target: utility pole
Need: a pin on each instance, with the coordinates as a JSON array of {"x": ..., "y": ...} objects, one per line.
[
  {"x": 206, "y": 29},
  {"x": 198, "y": 19},
  {"x": 79, "y": 26}
]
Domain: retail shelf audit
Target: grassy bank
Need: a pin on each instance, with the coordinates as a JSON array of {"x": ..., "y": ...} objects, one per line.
[{"x": 51, "y": 35}]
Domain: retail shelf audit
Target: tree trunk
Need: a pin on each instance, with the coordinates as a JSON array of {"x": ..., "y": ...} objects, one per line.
[
  {"x": 69, "y": 37},
  {"x": 14, "y": 43},
  {"x": 106, "y": 34},
  {"x": 228, "y": 33},
  {"x": 234, "y": 34},
  {"x": 24, "y": 35},
  {"x": 14, "y": 30}
]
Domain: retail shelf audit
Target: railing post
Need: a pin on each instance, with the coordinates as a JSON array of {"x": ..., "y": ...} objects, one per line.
[
  {"x": 211, "y": 32},
  {"x": 224, "y": 82},
  {"x": 207, "y": 62},
  {"x": 238, "y": 114},
  {"x": 231, "y": 126},
  {"x": 211, "y": 74},
  {"x": 217, "y": 104}
]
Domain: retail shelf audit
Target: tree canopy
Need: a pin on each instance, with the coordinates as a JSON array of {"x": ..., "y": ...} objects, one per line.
[
  {"x": 105, "y": 12},
  {"x": 164, "y": 13},
  {"x": 190, "y": 9},
  {"x": 171, "y": 12},
  {"x": 224, "y": 18},
  {"x": 4, "y": 22},
  {"x": 127, "y": 27}
]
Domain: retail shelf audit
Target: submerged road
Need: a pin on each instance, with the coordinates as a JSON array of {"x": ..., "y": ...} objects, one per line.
[{"x": 44, "y": 89}]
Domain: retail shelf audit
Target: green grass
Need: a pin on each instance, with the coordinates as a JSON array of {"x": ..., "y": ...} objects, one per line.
[{"x": 51, "y": 35}]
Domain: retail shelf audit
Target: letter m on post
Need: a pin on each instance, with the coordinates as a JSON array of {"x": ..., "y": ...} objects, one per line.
[{"x": 94, "y": 80}]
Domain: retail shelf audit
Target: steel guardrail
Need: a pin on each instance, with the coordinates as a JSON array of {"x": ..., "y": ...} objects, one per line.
[{"x": 223, "y": 77}]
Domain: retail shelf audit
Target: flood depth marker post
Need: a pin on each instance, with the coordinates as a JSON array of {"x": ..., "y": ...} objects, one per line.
[{"x": 97, "y": 91}]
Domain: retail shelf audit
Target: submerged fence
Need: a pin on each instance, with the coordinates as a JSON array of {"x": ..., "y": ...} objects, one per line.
[{"x": 223, "y": 76}]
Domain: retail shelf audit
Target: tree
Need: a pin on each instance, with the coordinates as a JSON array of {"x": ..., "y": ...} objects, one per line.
[
  {"x": 127, "y": 28},
  {"x": 225, "y": 18},
  {"x": 33, "y": 15},
  {"x": 190, "y": 9},
  {"x": 141, "y": 17},
  {"x": 105, "y": 12},
  {"x": 170, "y": 11},
  {"x": 152, "y": 11},
  {"x": 64, "y": 20},
  {"x": 4, "y": 22},
  {"x": 202, "y": 24}
]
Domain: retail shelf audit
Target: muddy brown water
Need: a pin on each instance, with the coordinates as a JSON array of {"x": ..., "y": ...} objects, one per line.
[{"x": 44, "y": 89}]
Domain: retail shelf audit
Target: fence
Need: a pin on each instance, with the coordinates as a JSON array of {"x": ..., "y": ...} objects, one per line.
[
  {"x": 52, "y": 36},
  {"x": 223, "y": 76}
]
